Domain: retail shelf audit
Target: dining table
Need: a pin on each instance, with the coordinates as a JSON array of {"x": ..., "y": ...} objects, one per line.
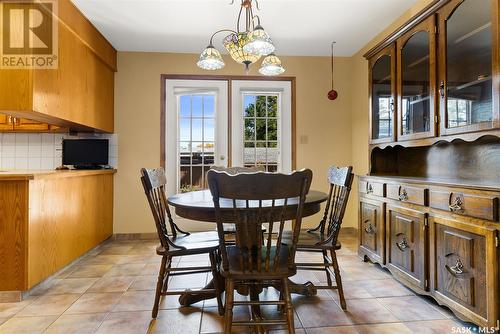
[{"x": 199, "y": 206}]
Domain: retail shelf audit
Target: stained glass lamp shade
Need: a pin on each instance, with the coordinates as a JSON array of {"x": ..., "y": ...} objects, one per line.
[
  {"x": 234, "y": 45},
  {"x": 271, "y": 65},
  {"x": 210, "y": 59},
  {"x": 259, "y": 42}
]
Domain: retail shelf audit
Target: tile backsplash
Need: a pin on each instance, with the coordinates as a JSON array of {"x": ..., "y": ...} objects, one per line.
[{"x": 43, "y": 151}]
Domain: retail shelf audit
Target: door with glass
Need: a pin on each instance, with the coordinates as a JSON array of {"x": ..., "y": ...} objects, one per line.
[
  {"x": 383, "y": 96},
  {"x": 467, "y": 42},
  {"x": 196, "y": 132},
  {"x": 261, "y": 124},
  {"x": 416, "y": 62}
]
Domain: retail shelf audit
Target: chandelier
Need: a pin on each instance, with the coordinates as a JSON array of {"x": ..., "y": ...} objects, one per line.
[{"x": 244, "y": 46}]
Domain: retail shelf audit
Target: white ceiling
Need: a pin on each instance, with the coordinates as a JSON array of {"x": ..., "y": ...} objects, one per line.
[{"x": 297, "y": 27}]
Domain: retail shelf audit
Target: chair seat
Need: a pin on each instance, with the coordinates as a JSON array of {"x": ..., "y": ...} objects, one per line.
[
  {"x": 237, "y": 272},
  {"x": 195, "y": 243},
  {"x": 309, "y": 240}
]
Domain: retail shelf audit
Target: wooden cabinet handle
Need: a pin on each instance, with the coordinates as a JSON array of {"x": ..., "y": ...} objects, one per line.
[
  {"x": 456, "y": 206},
  {"x": 457, "y": 269},
  {"x": 403, "y": 195},
  {"x": 402, "y": 245},
  {"x": 370, "y": 229},
  {"x": 369, "y": 188},
  {"x": 441, "y": 89}
]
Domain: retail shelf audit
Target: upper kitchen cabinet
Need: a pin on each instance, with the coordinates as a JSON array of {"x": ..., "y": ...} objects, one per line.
[
  {"x": 383, "y": 95},
  {"x": 79, "y": 93},
  {"x": 416, "y": 63},
  {"x": 468, "y": 60}
]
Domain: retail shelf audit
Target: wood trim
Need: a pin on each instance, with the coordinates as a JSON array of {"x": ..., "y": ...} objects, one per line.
[
  {"x": 429, "y": 26},
  {"x": 229, "y": 79},
  {"x": 405, "y": 27}
]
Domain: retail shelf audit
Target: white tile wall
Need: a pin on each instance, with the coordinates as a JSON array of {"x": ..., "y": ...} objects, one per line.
[{"x": 43, "y": 151}]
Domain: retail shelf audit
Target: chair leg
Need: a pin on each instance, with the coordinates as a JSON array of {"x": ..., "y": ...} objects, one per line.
[
  {"x": 159, "y": 285},
  {"x": 338, "y": 279},
  {"x": 325, "y": 261},
  {"x": 218, "y": 289},
  {"x": 288, "y": 306},
  {"x": 228, "y": 317}
]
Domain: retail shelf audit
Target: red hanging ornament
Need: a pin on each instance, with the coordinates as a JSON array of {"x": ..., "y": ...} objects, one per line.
[{"x": 332, "y": 94}]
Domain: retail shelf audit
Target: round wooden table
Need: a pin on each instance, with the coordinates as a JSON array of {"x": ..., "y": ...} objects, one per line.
[{"x": 199, "y": 205}]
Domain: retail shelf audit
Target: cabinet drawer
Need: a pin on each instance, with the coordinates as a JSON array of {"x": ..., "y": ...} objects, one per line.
[
  {"x": 372, "y": 188},
  {"x": 478, "y": 206},
  {"x": 406, "y": 193}
]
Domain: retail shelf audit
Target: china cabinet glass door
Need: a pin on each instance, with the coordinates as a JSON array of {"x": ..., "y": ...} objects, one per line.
[
  {"x": 416, "y": 82},
  {"x": 466, "y": 89},
  {"x": 382, "y": 93}
]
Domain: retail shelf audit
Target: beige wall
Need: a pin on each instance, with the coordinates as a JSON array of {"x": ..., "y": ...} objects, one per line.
[
  {"x": 337, "y": 131},
  {"x": 327, "y": 124}
]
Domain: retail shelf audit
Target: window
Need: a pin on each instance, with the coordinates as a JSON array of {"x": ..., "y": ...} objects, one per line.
[
  {"x": 260, "y": 116},
  {"x": 459, "y": 112},
  {"x": 196, "y": 117}
]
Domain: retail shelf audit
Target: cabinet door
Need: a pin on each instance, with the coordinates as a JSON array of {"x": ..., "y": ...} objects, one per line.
[
  {"x": 406, "y": 246},
  {"x": 464, "y": 269},
  {"x": 466, "y": 58},
  {"x": 6, "y": 123},
  {"x": 382, "y": 73},
  {"x": 22, "y": 124},
  {"x": 416, "y": 52},
  {"x": 372, "y": 230}
]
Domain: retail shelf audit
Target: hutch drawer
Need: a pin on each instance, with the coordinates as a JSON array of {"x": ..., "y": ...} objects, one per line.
[
  {"x": 407, "y": 194},
  {"x": 477, "y": 206},
  {"x": 372, "y": 188}
]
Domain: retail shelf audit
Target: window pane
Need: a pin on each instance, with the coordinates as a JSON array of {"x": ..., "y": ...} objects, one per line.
[
  {"x": 261, "y": 106},
  {"x": 197, "y": 129},
  {"x": 209, "y": 106},
  {"x": 209, "y": 130},
  {"x": 272, "y": 106},
  {"x": 261, "y": 144},
  {"x": 185, "y": 179},
  {"x": 249, "y": 106},
  {"x": 272, "y": 129},
  {"x": 249, "y": 129},
  {"x": 185, "y": 106},
  {"x": 381, "y": 98},
  {"x": 249, "y": 156},
  {"x": 197, "y": 105},
  {"x": 184, "y": 129},
  {"x": 249, "y": 144},
  {"x": 260, "y": 129}
]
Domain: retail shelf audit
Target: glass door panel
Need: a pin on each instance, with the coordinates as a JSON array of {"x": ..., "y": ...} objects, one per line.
[
  {"x": 466, "y": 77},
  {"x": 416, "y": 57},
  {"x": 382, "y": 90}
]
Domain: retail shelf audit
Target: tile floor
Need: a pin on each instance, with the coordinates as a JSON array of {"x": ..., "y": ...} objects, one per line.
[{"x": 111, "y": 291}]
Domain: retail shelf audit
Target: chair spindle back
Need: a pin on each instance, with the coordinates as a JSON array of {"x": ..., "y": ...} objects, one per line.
[{"x": 249, "y": 200}]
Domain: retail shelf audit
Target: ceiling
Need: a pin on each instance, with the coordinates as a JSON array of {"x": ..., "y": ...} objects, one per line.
[{"x": 297, "y": 27}]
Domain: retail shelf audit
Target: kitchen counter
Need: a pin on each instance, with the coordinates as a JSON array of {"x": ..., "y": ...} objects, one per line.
[{"x": 30, "y": 175}]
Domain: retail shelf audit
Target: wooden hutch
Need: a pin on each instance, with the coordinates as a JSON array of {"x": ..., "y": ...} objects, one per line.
[{"x": 429, "y": 208}]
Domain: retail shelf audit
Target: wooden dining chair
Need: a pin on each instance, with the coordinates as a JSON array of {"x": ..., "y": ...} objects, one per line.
[
  {"x": 248, "y": 201},
  {"x": 174, "y": 242},
  {"x": 324, "y": 238}
]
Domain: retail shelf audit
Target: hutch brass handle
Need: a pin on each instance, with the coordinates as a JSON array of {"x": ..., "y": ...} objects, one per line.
[
  {"x": 402, "y": 245},
  {"x": 370, "y": 229},
  {"x": 403, "y": 195},
  {"x": 441, "y": 89},
  {"x": 457, "y": 269},
  {"x": 9, "y": 119},
  {"x": 456, "y": 206},
  {"x": 369, "y": 188}
]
